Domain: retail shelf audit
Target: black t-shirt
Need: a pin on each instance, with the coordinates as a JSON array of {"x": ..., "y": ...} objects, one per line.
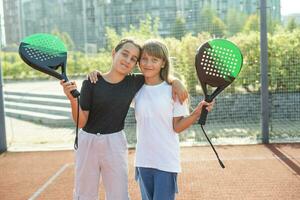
[{"x": 108, "y": 103}]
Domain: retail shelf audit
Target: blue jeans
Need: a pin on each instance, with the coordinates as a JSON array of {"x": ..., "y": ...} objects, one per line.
[{"x": 156, "y": 184}]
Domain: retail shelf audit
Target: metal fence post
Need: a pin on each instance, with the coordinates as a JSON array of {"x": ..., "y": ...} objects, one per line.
[
  {"x": 264, "y": 72},
  {"x": 3, "y": 146}
]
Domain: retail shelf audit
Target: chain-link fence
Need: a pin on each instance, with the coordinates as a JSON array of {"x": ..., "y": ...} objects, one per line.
[{"x": 91, "y": 28}]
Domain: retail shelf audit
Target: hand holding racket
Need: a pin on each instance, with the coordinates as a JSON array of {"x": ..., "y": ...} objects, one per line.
[
  {"x": 218, "y": 62},
  {"x": 68, "y": 87},
  {"x": 46, "y": 53},
  {"x": 203, "y": 104}
]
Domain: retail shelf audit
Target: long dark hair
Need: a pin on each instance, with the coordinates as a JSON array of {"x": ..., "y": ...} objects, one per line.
[{"x": 128, "y": 40}]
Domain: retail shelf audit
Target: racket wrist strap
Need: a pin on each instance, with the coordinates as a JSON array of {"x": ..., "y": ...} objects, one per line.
[
  {"x": 213, "y": 148},
  {"x": 77, "y": 122}
]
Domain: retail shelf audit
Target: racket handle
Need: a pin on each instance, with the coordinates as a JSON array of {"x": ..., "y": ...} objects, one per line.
[
  {"x": 203, "y": 116},
  {"x": 75, "y": 93}
]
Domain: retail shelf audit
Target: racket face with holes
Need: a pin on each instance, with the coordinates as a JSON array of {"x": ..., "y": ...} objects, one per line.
[
  {"x": 44, "y": 52},
  {"x": 218, "y": 63}
]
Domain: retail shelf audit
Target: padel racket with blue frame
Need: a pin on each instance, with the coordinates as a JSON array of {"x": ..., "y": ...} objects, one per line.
[
  {"x": 218, "y": 62},
  {"x": 46, "y": 53}
]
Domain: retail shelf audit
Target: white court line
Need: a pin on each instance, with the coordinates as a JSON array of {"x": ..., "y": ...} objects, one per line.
[{"x": 41, "y": 189}]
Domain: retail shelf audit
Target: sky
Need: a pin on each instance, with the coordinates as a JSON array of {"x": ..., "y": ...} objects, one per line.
[{"x": 290, "y": 7}]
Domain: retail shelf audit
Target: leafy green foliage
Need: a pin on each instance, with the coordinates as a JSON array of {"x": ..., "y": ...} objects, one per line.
[
  {"x": 211, "y": 23},
  {"x": 178, "y": 29},
  {"x": 292, "y": 24},
  {"x": 147, "y": 28},
  {"x": 284, "y": 63},
  {"x": 252, "y": 24},
  {"x": 283, "y": 49},
  {"x": 65, "y": 37},
  {"x": 235, "y": 21},
  {"x": 249, "y": 46}
]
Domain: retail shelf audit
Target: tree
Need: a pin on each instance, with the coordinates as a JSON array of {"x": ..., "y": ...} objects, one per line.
[
  {"x": 272, "y": 24},
  {"x": 65, "y": 37},
  {"x": 148, "y": 28},
  {"x": 284, "y": 52},
  {"x": 235, "y": 21},
  {"x": 219, "y": 28},
  {"x": 178, "y": 29},
  {"x": 292, "y": 24},
  {"x": 211, "y": 23},
  {"x": 252, "y": 24},
  {"x": 112, "y": 38},
  {"x": 249, "y": 46},
  {"x": 253, "y": 21}
]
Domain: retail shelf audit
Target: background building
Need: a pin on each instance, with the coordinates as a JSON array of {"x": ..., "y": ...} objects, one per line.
[
  {"x": 12, "y": 21},
  {"x": 86, "y": 20},
  {"x": 2, "y": 30}
]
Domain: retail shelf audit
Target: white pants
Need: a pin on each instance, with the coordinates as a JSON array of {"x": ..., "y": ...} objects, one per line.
[{"x": 105, "y": 156}]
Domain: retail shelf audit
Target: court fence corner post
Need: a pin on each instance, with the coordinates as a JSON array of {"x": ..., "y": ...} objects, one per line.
[
  {"x": 3, "y": 145},
  {"x": 265, "y": 113}
]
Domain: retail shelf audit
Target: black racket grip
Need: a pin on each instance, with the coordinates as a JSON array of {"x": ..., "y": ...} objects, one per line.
[
  {"x": 75, "y": 93},
  {"x": 203, "y": 116}
]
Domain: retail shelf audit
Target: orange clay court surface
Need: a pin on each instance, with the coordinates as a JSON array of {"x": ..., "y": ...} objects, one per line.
[{"x": 266, "y": 172}]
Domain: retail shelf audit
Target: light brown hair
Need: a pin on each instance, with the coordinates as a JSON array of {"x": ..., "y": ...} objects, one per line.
[{"x": 158, "y": 49}]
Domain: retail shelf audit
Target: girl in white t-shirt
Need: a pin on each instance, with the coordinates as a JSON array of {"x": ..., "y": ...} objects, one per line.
[{"x": 159, "y": 120}]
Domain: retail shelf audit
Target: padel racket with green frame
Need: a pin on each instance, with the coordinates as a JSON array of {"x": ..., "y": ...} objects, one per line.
[
  {"x": 218, "y": 62},
  {"x": 46, "y": 53}
]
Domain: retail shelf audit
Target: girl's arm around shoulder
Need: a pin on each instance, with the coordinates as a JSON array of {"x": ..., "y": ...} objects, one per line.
[
  {"x": 178, "y": 89},
  {"x": 182, "y": 123}
]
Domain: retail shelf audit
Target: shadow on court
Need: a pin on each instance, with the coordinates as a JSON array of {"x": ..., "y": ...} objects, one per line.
[{"x": 265, "y": 172}]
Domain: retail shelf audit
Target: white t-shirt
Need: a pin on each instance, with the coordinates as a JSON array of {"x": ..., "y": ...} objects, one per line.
[{"x": 157, "y": 143}]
